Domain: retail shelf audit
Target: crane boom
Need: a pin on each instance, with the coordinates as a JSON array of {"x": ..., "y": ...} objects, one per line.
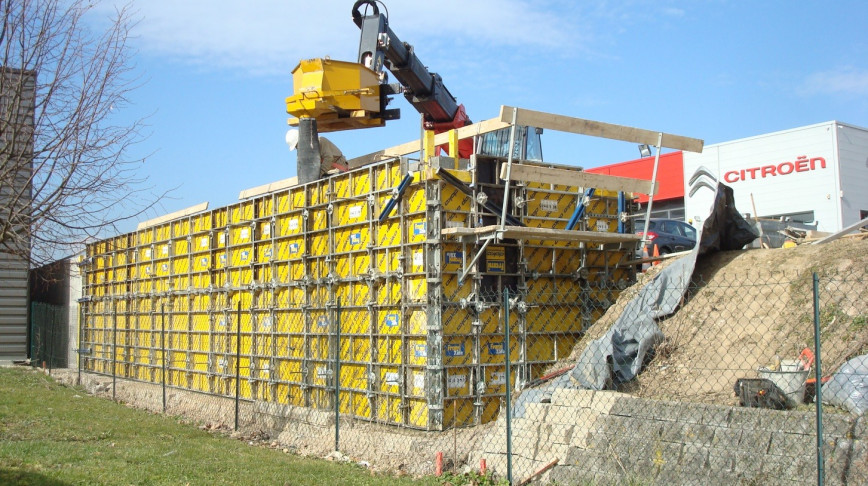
[{"x": 380, "y": 48}]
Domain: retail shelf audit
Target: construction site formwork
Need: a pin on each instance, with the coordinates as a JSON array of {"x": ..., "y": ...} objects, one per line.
[{"x": 276, "y": 293}]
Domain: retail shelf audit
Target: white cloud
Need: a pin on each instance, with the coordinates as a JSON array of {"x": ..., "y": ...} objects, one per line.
[
  {"x": 270, "y": 36},
  {"x": 845, "y": 81}
]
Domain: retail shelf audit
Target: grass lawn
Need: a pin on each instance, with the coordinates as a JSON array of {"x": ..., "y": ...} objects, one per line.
[{"x": 54, "y": 435}]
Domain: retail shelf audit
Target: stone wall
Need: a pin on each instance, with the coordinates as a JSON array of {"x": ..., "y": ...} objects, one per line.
[{"x": 612, "y": 438}]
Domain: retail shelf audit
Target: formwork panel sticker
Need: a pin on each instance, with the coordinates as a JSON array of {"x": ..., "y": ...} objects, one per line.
[
  {"x": 418, "y": 259},
  {"x": 392, "y": 378},
  {"x": 355, "y": 238},
  {"x": 420, "y": 351},
  {"x": 497, "y": 378},
  {"x": 456, "y": 381},
  {"x": 495, "y": 348},
  {"x": 203, "y": 242},
  {"x": 393, "y": 320},
  {"x": 356, "y": 211},
  {"x": 418, "y": 382},
  {"x": 245, "y": 233},
  {"x": 548, "y": 205},
  {"x": 496, "y": 266},
  {"x": 293, "y": 248},
  {"x": 602, "y": 225},
  {"x": 419, "y": 228},
  {"x": 454, "y": 258},
  {"x": 454, "y": 350}
]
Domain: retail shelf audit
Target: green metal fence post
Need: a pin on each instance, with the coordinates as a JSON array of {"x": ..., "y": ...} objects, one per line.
[
  {"x": 163, "y": 345},
  {"x": 237, "y": 362},
  {"x": 818, "y": 386},
  {"x": 114, "y": 350},
  {"x": 506, "y": 352},
  {"x": 337, "y": 398}
]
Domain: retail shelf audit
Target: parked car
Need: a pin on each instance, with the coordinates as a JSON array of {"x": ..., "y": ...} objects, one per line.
[{"x": 669, "y": 235}]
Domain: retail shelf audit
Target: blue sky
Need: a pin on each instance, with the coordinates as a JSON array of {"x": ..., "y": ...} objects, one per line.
[{"x": 215, "y": 75}]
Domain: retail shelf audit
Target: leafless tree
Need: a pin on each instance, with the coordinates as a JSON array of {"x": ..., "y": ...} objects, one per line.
[{"x": 67, "y": 174}]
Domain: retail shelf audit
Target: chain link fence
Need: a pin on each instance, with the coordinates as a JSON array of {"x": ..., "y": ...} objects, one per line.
[
  {"x": 539, "y": 383},
  {"x": 48, "y": 336}
]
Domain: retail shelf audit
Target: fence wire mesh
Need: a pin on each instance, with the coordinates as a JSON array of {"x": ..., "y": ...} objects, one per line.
[{"x": 539, "y": 383}]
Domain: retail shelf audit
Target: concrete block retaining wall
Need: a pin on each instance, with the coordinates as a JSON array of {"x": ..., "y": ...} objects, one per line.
[{"x": 612, "y": 438}]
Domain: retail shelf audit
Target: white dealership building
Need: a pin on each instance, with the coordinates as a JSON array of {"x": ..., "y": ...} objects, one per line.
[{"x": 817, "y": 173}]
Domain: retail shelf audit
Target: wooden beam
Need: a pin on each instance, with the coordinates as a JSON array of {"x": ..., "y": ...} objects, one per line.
[
  {"x": 468, "y": 131},
  {"x": 848, "y": 229},
  {"x": 198, "y": 208},
  {"x": 598, "y": 129},
  {"x": 527, "y": 233},
  {"x": 266, "y": 188},
  {"x": 523, "y": 172}
]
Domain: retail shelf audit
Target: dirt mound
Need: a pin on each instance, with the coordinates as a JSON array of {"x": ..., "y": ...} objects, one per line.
[{"x": 748, "y": 309}]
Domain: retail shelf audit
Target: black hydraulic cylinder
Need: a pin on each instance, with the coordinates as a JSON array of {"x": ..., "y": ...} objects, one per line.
[
  {"x": 309, "y": 161},
  {"x": 379, "y": 47}
]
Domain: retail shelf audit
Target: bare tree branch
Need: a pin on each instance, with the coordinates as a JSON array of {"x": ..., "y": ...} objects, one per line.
[{"x": 66, "y": 173}]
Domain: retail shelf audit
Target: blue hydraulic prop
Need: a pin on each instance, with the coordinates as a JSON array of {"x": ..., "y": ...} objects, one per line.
[
  {"x": 396, "y": 196},
  {"x": 579, "y": 213}
]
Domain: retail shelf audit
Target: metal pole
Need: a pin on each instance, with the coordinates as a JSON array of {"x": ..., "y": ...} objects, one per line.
[
  {"x": 651, "y": 191},
  {"x": 818, "y": 386},
  {"x": 54, "y": 322},
  {"x": 508, "y": 389},
  {"x": 163, "y": 345},
  {"x": 237, "y": 362},
  {"x": 337, "y": 398},
  {"x": 114, "y": 349},
  {"x": 508, "y": 169},
  {"x": 81, "y": 315}
]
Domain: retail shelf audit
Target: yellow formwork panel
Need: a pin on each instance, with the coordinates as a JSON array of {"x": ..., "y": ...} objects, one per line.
[
  {"x": 241, "y": 212},
  {"x": 292, "y": 248},
  {"x": 453, "y": 200},
  {"x": 417, "y": 322},
  {"x": 416, "y": 288},
  {"x": 289, "y": 224},
  {"x": 418, "y": 413},
  {"x": 200, "y": 222},
  {"x": 162, "y": 232},
  {"x": 180, "y": 228},
  {"x": 457, "y": 350},
  {"x": 457, "y": 383},
  {"x": 387, "y": 260},
  {"x": 388, "y": 292},
  {"x": 318, "y": 192},
  {"x": 282, "y": 202},
  {"x": 458, "y": 412},
  {"x": 456, "y": 321},
  {"x": 264, "y": 206},
  {"x": 389, "y": 349},
  {"x": 454, "y": 291},
  {"x": 353, "y": 293},
  {"x": 557, "y": 317},
  {"x": 264, "y": 252},
  {"x": 417, "y": 352},
  {"x": 388, "y": 233},
  {"x": 298, "y": 198},
  {"x": 355, "y": 403},
  {"x": 389, "y": 322},
  {"x": 356, "y": 349},
  {"x": 547, "y": 348},
  {"x": 416, "y": 231},
  {"x": 548, "y": 204},
  {"x": 492, "y": 349}
]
